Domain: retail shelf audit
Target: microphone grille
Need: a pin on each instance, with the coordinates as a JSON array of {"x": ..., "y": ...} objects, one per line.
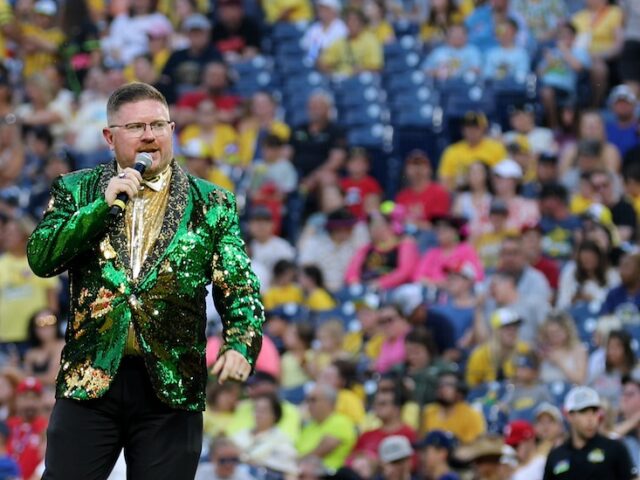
[{"x": 144, "y": 158}]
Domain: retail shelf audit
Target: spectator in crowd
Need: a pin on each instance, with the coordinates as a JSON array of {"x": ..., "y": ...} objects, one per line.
[
  {"x": 184, "y": 68},
  {"x": 506, "y": 60},
  {"x": 622, "y": 129},
  {"x": 542, "y": 17},
  {"x": 326, "y": 30},
  {"x": 452, "y": 247},
  {"x": 265, "y": 439},
  {"x": 293, "y": 11},
  {"x": 359, "y": 52},
  {"x": 564, "y": 357},
  {"x": 558, "y": 225},
  {"x": 297, "y": 341},
  {"x": 311, "y": 468},
  {"x": 624, "y": 300},
  {"x": 329, "y": 435},
  {"x": 316, "y": 297},
  {"x": 221, "y": 415},
  {"x": 454, "y": 59},
  {"x": 199, "y": 162},
  {"x": 284, "y": 288},
  {"x": 341, "y": 374},
  {"x": 394, "y": 328},
  {"x": 362, "y": 192},
  {"x": 10, "y": 378},
  {"x": 611, "y": 459},
  {"x": 214, "y": 85},
  {"x": 484, "y": 19},
  {"x": 532, "y": 239},
  {"x": 42, "y": 359},
  {"x": 41, "y": 38},
  {"x": 423, "y": 198},
  {"x": 629, "y": 72},
  {"x": 523, "y": 121},
  {"x": 631, "y": 176},
  {"x": 387, "y": 407},
  {"x": 376, "y": 13},
  {"x": 494, "y": 360},
  {"x": 442, "y": 15},
  {"x": 364, "y": 344},
  {"x": 608, "y": 367},
  {"x": 395, "y": 454},
  {"x": 488, "y": 242},
  {"x": 9, "y": 468},
  {"x": 22, "y": 294},
  {"x": 627, "y": 428},
  {"x": 475, "y": 145},
  {"x": 224, "y": 462},
  {"x": 27, "y": 426},
  {"x": 549, "y": 427},
  {"x": 236, "y": 35},
  {"x": 546, "y": 172},
  {"x": 329, "y": 337},
  {"x": 436, "y": 451},
  {"x": 528, "y": 390},
  {"x": 450, "y": 411},
  {"x": 623, "y": 215},
  {"x": 319, "y": 145},
  {"x": 473, "y": 202},
  {"x": 588, "y": 278},
  {"x": 388, "y": 260},
  {"x": 558, "y": 69},
  {"x": 604, "y": 39},
  {"x": 521, "y": 435},
  {"x": 266, "y": 248},
  {"x": 484, "y": 455},
  {"x": 331, "y": 250}
]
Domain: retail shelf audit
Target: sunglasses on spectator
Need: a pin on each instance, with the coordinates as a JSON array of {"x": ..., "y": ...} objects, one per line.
[
  {"x": 228, "y": 460},
  {"x": 46, "y": 321}
]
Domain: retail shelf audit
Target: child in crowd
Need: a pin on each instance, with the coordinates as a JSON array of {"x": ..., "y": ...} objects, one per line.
[
  {"x": 316, "y": 297},
  {"x": 284, "y": 288},
  {"x": 362, "y": 192}
]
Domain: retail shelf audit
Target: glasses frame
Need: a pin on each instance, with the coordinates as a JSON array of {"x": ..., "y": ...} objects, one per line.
[{"x": 157, "y": 127}]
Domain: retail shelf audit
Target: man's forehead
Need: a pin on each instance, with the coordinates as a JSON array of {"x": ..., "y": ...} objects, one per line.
[{"x": 142, "y": 110}]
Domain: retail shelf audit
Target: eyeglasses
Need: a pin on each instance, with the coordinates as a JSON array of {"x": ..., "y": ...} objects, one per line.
[
  {"x": 386, "y": 320},
  {"x": 600, "y": 185},
  {"x": 228, "y": 460},
  {"x": 46, "y": 321},
  {"x": 137, "y": 129}
]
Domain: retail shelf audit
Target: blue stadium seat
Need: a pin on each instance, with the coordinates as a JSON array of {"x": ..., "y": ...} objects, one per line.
[
  {"x": 293, "y": 65},
  {"x": 286, "y": 31},
  {"x": 404, "y": 44},
  {"x": 558, "y": 391},
  {"x": 358, "y": 97},
  {"x": 396, "y": 83},
  {"x": 369, "y": 136},
  {"x": 585, "y": 321},
  {"x": 402, "y": 63},
  {"x": 306, "y": 80},
  {"x": 362, "y": 115}
]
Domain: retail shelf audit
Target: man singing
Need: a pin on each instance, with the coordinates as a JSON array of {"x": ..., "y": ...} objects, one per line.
[{"x": 133, "y": 369}]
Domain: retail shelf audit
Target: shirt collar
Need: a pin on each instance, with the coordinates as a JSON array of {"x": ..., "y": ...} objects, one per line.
[{"x": 157, "y": 183}]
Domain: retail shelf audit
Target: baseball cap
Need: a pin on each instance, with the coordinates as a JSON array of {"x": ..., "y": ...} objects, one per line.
[
  {"x": 580, "y": 398},
  {"x": 485, "y": 446},
  {"x": 503, "y": 317},
  {"x": 197, "y": 21},
  {"x": 408, "y": 298},
  {"x": 29, "y": 384},
  {"x": 332, "y": 4},
  {"x": 527, "y": 360},
  {"x": 517, "y": 432},
  {"x": 508, "y": 168},
  {"x": 439, "y": 439},
  {"x": 599, "y": 214},
  {"x": 632, "y": 377},
  {"x": 45, "y": 7},
  {"x": 622, "y": 92},
  {"x": 195, "y": 148},
  {"x": 393, "y": 448},
  {"x": 464, "y": 269},
  {"x": 475, "y": 119},
  {"x": 498, "y": 205},
  {"x": 517, "y": 143},
  {"x": 548, "y": 409},
  {"x": 549, "y": 158}
]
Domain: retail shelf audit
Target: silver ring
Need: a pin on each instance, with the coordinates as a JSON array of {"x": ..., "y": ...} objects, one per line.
[
  {"x": 122, "y": 175},
  {"x": 240, "y": 374}
]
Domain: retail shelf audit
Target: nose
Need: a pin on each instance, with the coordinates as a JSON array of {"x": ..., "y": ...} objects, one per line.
[{"x": 148, "y": 133}]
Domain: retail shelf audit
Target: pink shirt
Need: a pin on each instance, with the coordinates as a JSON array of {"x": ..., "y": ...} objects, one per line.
[
  {"x": 268, "y": 358},
  {"x": 392, "y": 353},
  {"x": 431, "y": 266}
]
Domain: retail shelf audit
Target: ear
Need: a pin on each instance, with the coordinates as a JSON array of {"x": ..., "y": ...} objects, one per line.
[{"x": 108, "y": 137}]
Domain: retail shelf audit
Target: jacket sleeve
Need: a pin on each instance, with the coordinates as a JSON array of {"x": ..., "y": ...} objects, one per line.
[
  {"x": 236, "y": 288},
  {"x": 65, "y": 231}
]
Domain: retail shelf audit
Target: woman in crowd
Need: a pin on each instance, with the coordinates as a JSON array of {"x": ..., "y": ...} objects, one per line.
[
  {"x": 606, "y": 371},
  {"x": 442, "y": 14},
  {"x": 564, "y": 357},
  {"x": 42, "y": 360},
  {"x": 394, "y": 328},
  {"x": 474, "y": 202},
  {"x": 588, "y": 278},
  {"x": 341, "y": 375}
]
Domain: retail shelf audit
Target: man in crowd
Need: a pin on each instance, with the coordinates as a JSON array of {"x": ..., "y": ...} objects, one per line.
[
  {"x": 587, "y": 453},
  {"x": 629, "y": 427},
  {"x": 224, "y": 463},
  {"x": 436, "y": 450},
  {"x": 395, "y": 455}
]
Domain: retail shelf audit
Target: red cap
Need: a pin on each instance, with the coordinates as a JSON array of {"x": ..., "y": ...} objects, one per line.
[
  {"x": 517, "y": 432},
  {"x": 29, "y": 384}
]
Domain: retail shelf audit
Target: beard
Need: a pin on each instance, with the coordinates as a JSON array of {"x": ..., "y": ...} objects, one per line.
[{"x": 445, "y": 402}]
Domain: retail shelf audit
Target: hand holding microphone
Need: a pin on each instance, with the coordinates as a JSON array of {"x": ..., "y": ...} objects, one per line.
[{"x": 126, "y": 184}]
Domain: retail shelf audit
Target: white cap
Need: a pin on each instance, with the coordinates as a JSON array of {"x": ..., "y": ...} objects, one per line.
[
  {"x": 508, "y": 168},
  {"x": 332, "y": 4},
  {"x": 580, "y": 398},
  {"x": 195, "y": 148},
  {"x": 623, "y": 92},
  {"x": 395, "y": 447},
  {"x": 549, "y": 409},
  {"x": 45, "y": 7},
  {"x": 503, "y": 317},
  {"x": 408, "y": 297}
]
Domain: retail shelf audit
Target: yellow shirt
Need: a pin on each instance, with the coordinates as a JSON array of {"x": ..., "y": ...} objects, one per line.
[
  {"x": 464, "y": 421},
  {"x": 433, "y": 33},
  {"x": 220, "y": 423},
  {"x": 292, "y": 373},
  {"x": 348, "y": 56},
  {"x": 222, "y": 141},
  {"x": 636, "y": 205},
  {"x": 336, "y": 426},
  {"x": 410, "y": 414},
  {"x": 249, "y": 135},
  {"x": 579, "y": 204},
  {"x": 319, "y": 300},
  {"x": 299, "y": 10},
  {"x": 383, "y": 32},
  {"x": 37, "y": 61},
  {"x": 6, "y": 17},
  {"x": 456, "y": 159},
  {"x": 350, "y": 405},
  {"x": 159, "y": 60},
  {"x": 488, "y": 246},
  {"x": 601, "y": 28},
  {"x": 481, "y": 367},
  {"x": 22, "y": 294},
  {"x": 276, "y": 296},
  {"x": 352, "y": 344},
  {"x": 218, "y": 177}
]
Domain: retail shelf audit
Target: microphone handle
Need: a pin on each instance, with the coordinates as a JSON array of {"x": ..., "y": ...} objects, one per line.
[{"x": 122, "y": 198}]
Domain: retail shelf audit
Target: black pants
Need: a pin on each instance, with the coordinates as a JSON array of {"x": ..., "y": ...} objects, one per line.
[{"x": 84, "y": 438}]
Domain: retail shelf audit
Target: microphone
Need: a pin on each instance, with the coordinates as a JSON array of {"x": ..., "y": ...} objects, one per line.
[{"x": 143, "y": 161}]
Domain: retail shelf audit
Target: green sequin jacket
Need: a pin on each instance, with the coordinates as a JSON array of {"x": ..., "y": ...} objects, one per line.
[{"x": 199, "y": 243}]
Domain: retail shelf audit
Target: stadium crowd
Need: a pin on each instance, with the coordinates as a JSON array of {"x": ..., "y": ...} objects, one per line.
[{"x": 440, "y": 198}]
